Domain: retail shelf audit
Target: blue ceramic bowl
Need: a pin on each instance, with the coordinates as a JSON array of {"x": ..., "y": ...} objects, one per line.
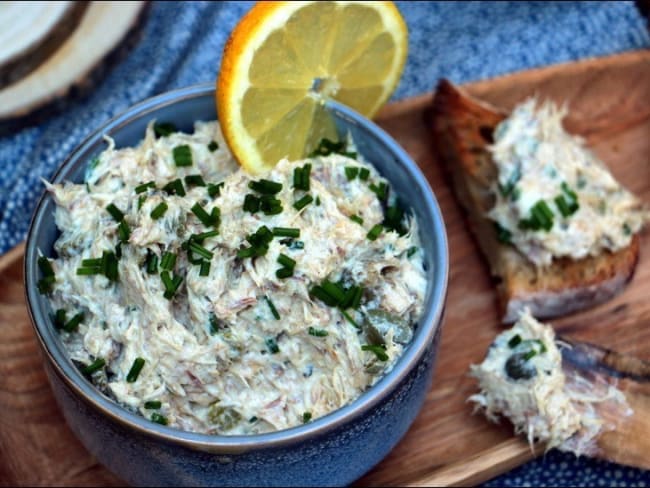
[{"x": 332, "y": 450}]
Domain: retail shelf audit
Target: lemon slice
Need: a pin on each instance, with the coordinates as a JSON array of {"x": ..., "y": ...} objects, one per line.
[{"x": 285, "y": 59}]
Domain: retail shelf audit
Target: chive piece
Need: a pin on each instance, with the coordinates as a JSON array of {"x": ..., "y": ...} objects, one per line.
[
  {"x": 141, "y": 200},
  {"x": 168, "y": 261},
  {"x": 286, "y": 232},
  {"x": 152, "y": 405},
  {"x": 627, "y": 230},
  {"x": 159, "y": 211},
  {"x": 303, "y": 182},
  {"x": 514, "y": 341},
  {"x": 412, "y": 250},
  {"x": 144, "y": 187},
  {"x": 351, "y": 172},
  {"x": 393, "y": 219},
  {"x": 284, "y": 273},
  {"x": 251, "y": 203},
  {"x": 171, "y": 284},
  {"x": 96, "y": 365},
  {"x": 214, "y": 190},
  {"x": 270, "y": 205},
  {"x": 123, "y": 231},
  {"x": 159, "y": 419},
  {"x": 202, "y": 215},
  {"x": 89, "y": 271},
  {"x": 306, "y": 417},
  {"x": 349, "y": 318},
  {"x": 163, "y": 129},
  {"x": 357, "y": 219},
  {"x": 72, "y": 324},
  {"x": 562, "y": 206},
  {"x": 194, "y": 180},
  {"x": 320, "y": 293},
  {"x": 253, "y": 419},
  {"x": 59, "y": 318},
  {"x": 297, "y": 178},
  {"x": 45, "y": 266},
  {"x": 213, "y": 146},
  {"x": 118, "y": 250},
  {"x": 334, "y": 290},
  {"x": 274, "y": 311},
  {"x": 204, "y": 235},
  {"x": 507, "y": 189},
  {"x": 265, "y": 187},
  {"x": 351, "y": 297},
  {"x": 272, "y": 344},
  {"x": 317, "y": 202},
  {"x": 317, "y": 332},
  {"x": 182, "y": 155},
  {"x": 214, "y": 324},
  {"x": 45, "y": 285},
  {"x": 364, "y": 173},
  {"x": 380, "y": 189},
  {"x": 379, "y": 351},
  {"x": 152, "y": 262},
  {"x": 175, "y": 187},
  {"x": 247, "y": 252},
  {"x": 134, "y": 372},
  {"x": 115, "y": 212},
  {"x": 109, "y": 265},
  {"x": 530, "y": 354},
  {"x": 91, "y": 262},
  {"x": 205, "y": 268},
  {"x": 503, "y": 234},
  {"x": 215, "y": 215},
  {"x": 200, "y": 250},
  {"x": 303, "y": 202},
  {"x": 374, "y": 232},
  {"x": 286, "y": 261}
]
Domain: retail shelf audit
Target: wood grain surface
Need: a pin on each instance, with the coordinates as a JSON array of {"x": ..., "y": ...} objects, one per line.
[{"x": 609, "y": 103}]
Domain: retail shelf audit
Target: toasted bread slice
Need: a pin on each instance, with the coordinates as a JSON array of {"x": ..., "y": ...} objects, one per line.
[{"x": 463, "y": 128}]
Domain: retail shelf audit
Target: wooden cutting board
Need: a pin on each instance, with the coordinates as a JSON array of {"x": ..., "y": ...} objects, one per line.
[{"x": 609, "y": 102}]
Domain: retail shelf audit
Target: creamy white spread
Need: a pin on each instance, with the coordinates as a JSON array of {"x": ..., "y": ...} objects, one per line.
[
  {"x": 538, "y": 161},
  {"x": 236, "y": 348},
  {"x": 522, "y": 378}
]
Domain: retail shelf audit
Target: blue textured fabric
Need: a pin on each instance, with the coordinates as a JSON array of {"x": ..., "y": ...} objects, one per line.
[{"x": 182, "y": 43}]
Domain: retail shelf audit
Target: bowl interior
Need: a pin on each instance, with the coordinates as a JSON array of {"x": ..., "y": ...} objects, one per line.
[{"x": 183, "y": 107}]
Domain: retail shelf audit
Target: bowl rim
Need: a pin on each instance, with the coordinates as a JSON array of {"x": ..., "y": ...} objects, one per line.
[{"x": 430, "y": 321}]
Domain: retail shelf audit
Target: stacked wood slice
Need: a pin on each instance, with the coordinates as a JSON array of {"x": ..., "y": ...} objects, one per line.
[{"x": 48, "y": 48}]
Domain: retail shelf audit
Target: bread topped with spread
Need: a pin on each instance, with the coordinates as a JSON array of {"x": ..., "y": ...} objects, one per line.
[{"x": 559, "y": 233}]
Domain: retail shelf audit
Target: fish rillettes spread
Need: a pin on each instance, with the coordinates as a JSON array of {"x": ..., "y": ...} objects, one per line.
[{"x": 216, "y": 302}]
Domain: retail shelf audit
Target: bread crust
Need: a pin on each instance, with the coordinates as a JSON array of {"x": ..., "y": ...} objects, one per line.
[{"x": 462, "y": 127}]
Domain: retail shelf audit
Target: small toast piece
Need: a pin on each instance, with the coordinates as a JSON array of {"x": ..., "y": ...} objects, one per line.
[{"x": 462, "y": 128}]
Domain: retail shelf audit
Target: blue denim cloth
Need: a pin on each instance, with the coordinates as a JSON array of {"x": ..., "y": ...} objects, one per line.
[{"x": 182, "y": 44}]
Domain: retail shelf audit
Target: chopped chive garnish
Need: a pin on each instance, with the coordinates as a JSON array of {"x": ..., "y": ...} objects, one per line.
[
  {"x": 115, "y": 212},
  {"x": 627, "y": 230},
  {"x": 141, "y": 200},
  {"x": 357, "y": 219},
  {"x": 182, "y": 155},
  {"x": 207, "y": 219},
  {"x": 204, "y": 235},
  {"x": 200, "y": 250},
  {"x": 194, "y": 180},
  {"x": 530, "y": 354},
  {"x": 164, "y": 129},
  {"x": 152, "y": 262},
  {"x": 118, "y": 251},
  {"x": 352, "y": 298},
  {"x": 514, "y": 341},
  {"x": 213, "y": 146},
  {"x": 214, "y": 324},
  {"x": 379, "y": 351},
  {"x": 393, "y": 219},
  {"x": 159, "y": 419},
  {"x": 303, "y": 202},
  {"x": 284, "y": 273},
  {"x": 152, "y": 405},
  {"x": 159, "y": 211},
  {"x": 503, "y": 234},
  {"x": 507, "y": 189},
  {"x": 306, "y": 417},
  {"x": 168, "y": 261},
  {"x": 411, "y": 251},
  {"x": 562, "y": 205},
  {"x": 334, "y": 290},
  {"x": 205, "y": 268},
  {"x": 286, "y": 232},
  {"x": 286, "y": 261},
  {"x": 175, "y": 187},
  {"x": 265, "y": 187},
  {"x": 259, "y": 242},
  {"x": 72, "y": 324},
  {"x": 251, "y": 203},
  {"x": 322, "y": 295},
  {"x": 88, "y": 271},
  {"x": 45, "y": 284},
  {"x": 349, "y": 318},
  {"x": 144, "y": 187},
  {"x": 171, "y": 284},
  {"x": 301, "y": 177},
  {"x": 109, "y": 265},
  {"x": 364, "y": 173},
  {"x": 351, "y": 172},
  {"x": 317, "y": 202},
  {"x": 123, "y": 231},
  {"x": 274, "y": 311},
  {"x": 96, "y": 365},
  {"x": 59, "y": 318},
  {"x": 380, "y": 189},
  {"x": 317, "y": 332},
  {"x": 45, "y": 266},
  {"x": 270, "y": 205},
  {"x": 134, "y": 372},
  {"x": 92, "y": 262},
  {"x": 214, "y": 190},
  {"x": 374, "y": 232},
  {"x": 253, "y": 419},
  {"x": 272, "y": 344}
]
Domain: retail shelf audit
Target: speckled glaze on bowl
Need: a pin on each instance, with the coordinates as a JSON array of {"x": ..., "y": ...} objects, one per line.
[{"x": 332, "y": 450}]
